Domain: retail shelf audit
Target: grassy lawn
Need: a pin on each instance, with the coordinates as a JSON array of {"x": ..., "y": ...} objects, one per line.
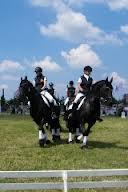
[{"x": 19, "y": 149}]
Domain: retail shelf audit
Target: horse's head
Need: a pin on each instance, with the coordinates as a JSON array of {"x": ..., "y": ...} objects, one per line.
[
  {"x": 24, "y": 89},
  {"x": 105, "y": 90}
]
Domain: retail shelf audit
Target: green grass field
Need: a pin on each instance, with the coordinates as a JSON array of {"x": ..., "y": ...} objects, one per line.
[{"x": 19, "y": 149}]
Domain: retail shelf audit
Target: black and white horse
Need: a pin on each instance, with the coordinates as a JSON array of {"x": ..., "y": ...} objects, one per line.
[
  {"x": 39, "y": 111},
  {"x": 86, "y": 111}
]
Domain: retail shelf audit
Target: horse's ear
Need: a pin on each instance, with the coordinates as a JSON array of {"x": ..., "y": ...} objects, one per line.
[
  {"x": 106, "y": 79},
  {"x": 21, "y": 79},
  {"x": 25, "y": 77},
  {"x": 111, "y": 80}
]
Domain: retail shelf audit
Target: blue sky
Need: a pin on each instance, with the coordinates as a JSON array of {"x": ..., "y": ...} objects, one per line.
[{"x": 62, "y": 36}]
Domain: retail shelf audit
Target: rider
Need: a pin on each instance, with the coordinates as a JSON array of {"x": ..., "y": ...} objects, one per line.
[
  {"x": 52, "y": 92},
  {"x": 83, "y": 88},
  {"x": 41, "y": 86},
  {"x": 51, "y": 89},
  {"x": 70, "y": 96},
  {"x": 70, "y": 92}
]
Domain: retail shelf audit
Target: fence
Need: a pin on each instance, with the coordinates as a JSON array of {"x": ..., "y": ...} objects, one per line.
[{"x": 64, "y": 174}]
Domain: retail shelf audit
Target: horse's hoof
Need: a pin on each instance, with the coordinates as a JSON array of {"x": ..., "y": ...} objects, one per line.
[
  {"x": 42, "y": 142},
  {"x": 70, "y": 142},
  {"x": 58, "y": 137},
  {"x": 54, "y": 137},
  {"x": 99, "y": 119},
  {"x": 77, "y": 141},
  {"x": 83, "y": 146},
  {"x": 48, "y": 141}
]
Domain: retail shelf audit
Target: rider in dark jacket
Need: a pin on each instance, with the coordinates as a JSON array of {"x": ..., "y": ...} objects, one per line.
[
  {"x": 70, "y": 97},
  {"x": 40, "y": 80},
  {"x": 41, "y": 86},
  {"x": 70, "y": 92},
  {"x": 51, "y": 89},
  {"x": 83, "y": 88}
]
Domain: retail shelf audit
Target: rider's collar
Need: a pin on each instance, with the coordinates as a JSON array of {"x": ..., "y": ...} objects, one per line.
[{"x": 86, "y": 76}]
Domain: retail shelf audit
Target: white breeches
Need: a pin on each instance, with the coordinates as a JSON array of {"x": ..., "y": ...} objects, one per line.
[
  {"x": 66, "y": 101},
  {"x": 48, "y": 96},
  {"x": 78, "y": 96}
]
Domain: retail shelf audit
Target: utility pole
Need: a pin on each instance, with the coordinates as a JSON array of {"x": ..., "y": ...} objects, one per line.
[{"x": 2, "y": 101}]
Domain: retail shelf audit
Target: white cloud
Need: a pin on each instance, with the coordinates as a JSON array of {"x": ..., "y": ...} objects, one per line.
[
  {"x": 63, "y": 4},
  {"x": 47, "y": 64},
  {"x": 3, "y": 86},
  {"x": 124, "y": 29},
  {"x": 77, "y": 29},
  {"x": 81, "y": 2},
  {"x": 41, "y": 3},
  {"x": 7, "y": 65},
  {"x": 119, "y": 81},
  {"x": 112, "y": 4},
  {"x": 58, "y": 5},
  {"x": 81, "y": 56},
  {"x": 117, "y": 4}
]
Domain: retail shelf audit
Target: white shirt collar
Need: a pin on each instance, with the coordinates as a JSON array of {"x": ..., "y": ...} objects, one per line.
[{"x": 86, "y": 76}]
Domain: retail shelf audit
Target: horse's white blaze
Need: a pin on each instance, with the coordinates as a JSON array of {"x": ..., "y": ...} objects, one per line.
[
  {"x": 80, "y": 137},
  {"x": 70, "y": 137}
]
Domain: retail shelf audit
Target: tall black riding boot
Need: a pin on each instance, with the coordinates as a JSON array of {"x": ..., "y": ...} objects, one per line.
[
  {"x": 53, "y": 112},
  {"x": 65, "y": 113}
]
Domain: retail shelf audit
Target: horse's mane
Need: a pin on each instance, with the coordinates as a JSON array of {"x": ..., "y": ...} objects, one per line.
[
  {"x": 34, "y": 92},
  {"x": 98, "y": 83},
  {"x": 30, "y": 84}
]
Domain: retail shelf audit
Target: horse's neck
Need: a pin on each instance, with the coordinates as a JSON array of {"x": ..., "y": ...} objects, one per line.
[
  {"x": 96, "y": 88},
  {"x": 34, "y": 96},
  {"x": 95, "y": 92}
]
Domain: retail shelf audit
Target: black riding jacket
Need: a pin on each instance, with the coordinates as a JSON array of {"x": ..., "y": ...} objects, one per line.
[
  {"x": 51, "y": 90},
  {"x": 86, "y": 84},
  {"x": 39, "y": 82}
]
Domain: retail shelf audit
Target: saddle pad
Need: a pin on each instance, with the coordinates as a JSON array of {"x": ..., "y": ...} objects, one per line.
[
  {"x": 82, "y": 101},
  {"x": 45, "y": 100}
]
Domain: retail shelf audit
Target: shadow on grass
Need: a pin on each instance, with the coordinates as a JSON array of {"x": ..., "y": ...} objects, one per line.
[
  {"x": 91, "y": 144},
  {"x": 103, "y": 145}
]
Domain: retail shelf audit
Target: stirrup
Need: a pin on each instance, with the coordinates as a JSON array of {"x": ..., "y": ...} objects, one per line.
[
  {"x": 53, "y": 115},
  {"x": 99, "y": 119}
]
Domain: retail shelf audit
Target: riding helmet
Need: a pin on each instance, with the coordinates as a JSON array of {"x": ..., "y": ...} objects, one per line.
[
  {"x": 38, "y": 69},
  {"x": 51, "y": 84},
  {"x": 71, "y": 82},
  {"x": 88, "y": 68}
]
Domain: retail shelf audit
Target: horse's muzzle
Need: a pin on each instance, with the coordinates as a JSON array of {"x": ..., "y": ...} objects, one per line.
[{"x": 107, "y": 101}]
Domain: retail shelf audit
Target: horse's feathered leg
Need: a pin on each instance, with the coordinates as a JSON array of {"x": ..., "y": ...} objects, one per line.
[
  {"x": 77, "y": 135},
  {"x": 42, "y": 134},
  {"x": 42, "y": 138},
  {"x": 55, "y": 127},
  {"x": 70, "y": 127},
  {"x": 86, "y": 133}
]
